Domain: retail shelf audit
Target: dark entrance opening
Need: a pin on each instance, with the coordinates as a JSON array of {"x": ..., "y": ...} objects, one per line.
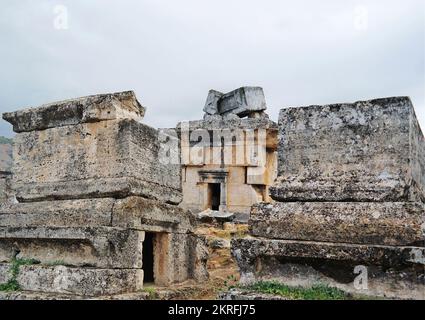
[
  {"x": 147, "y": 257},
  {"x": 215, "y": 189}
]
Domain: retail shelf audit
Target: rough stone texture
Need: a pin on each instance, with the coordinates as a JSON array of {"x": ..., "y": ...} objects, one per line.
[
  {"x": 234, "y": 123},
  {"x": 396, "y": 272},
  {"x": 240, "y": 294},
  {"x": 240, "y": 102},
  {"x": 103, "y": 233},
  {"x": 61, "y": 213},
  {"x": 381, "y": 223},
  {"x": 75, "y": 111},
  {"x": 350, "y": 192},
  {"x": 5, "y": 274},
  {"x": 199, "y": 258},
  {"x": 395, "y": 256},
  {"x": 110, "y": 158},
  {"x": 91, "y": 184},
  {"x": 6, "y": 159},
  {"x": 101, "y": 247},
  {"x": 212, "y": 216},
  {"x": 6, "y": 194},
  {"x": 224, "y": 148},
  {"x": 30, "y": 295},
  {"x": 150, "y": 215},
  {"x": 365, "y": 151},
  {"x": 211, "y": 105},
  {"x": 78, "y": 281}
]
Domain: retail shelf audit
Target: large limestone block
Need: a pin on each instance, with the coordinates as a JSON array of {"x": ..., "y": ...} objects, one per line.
[
  {"x": 75, "y": 111},
  {"x": 379, "y": 223},
  {"x": 249, "y": 249},
  {"x": 180, "y": 257},
  {"x": 365, "y": 151},
  {"x": 150, "y": 215},
  {"x": 390, "y": 271},
  {"x": 60, "y": 213},
  {"x": 102, "y": 247},
  {"x": 115, "y": 158},
  {"x": 242, "y": 101},
  {"x": 77, "y": 281}
]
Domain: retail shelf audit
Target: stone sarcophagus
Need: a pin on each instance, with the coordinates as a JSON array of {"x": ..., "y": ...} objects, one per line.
[
  {"x": 349, "y": 208},
  {"x": 371, "y": 151},
  {"x": 96, "y": 212},
  {"x": 89, "y": 147}
]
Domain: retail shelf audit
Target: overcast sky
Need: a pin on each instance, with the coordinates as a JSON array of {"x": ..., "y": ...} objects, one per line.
[{"x": 172, "y": 52}]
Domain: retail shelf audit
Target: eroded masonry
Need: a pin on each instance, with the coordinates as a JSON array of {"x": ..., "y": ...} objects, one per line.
[
  {"x": 97, "y": 212},
  {"x": 229, "y": 158},
  {"x": 100, "y": 204},
  {"x": 349, "y": 208}
]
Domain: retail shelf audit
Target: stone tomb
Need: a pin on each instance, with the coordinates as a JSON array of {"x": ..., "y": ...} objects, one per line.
[
  {"x": 229, "y": 158},
  {"x": 350, "y": 202},
  {"x": 97, "y": 210}
]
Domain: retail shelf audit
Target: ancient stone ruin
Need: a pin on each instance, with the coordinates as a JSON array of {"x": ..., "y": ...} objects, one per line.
[
  {"x": 350, "y": 199},
  {"x": 99, "y": 204},
  {"x": 96, "y": 211},
  {"x": 229, "y": 159}
]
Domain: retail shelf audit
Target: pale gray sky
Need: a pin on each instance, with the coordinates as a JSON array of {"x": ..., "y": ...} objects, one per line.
[{"x": 172, "y": 52}]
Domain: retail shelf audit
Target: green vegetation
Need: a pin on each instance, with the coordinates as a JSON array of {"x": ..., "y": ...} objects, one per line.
[
  {"x": 4, "y": 140},
  {"x": 151, "y": 291},
  {"x": 317, "y": 292},
  {"x": 12, "y": 284},
  {"x": 230, "y": 281}
]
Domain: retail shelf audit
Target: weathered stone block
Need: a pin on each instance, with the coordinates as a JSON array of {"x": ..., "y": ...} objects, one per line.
[
  {"x": 365, "y": 151},
  {"x": 5, "y": 190},
  {"x": 77, "y": 281},
  {"x": 179, "y": 257},
  {"x": 396, "y": 272},
  {"x": 61, "y": 213},
  {"x": 211, "y": 105},
  {"x": 102, "y": 247},
  {"x": 76, "y": 111},
  {"x": 150, "y": 215},
  {"x": 115, "y": 158},
  {"x": 242, "y": 101},
  {"x": 379, "y": 223}
]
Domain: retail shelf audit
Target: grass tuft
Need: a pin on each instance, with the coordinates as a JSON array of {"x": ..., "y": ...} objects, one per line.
[
  {"x": 12, "y": 284},
  {"x": 316, "y": 292}
]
